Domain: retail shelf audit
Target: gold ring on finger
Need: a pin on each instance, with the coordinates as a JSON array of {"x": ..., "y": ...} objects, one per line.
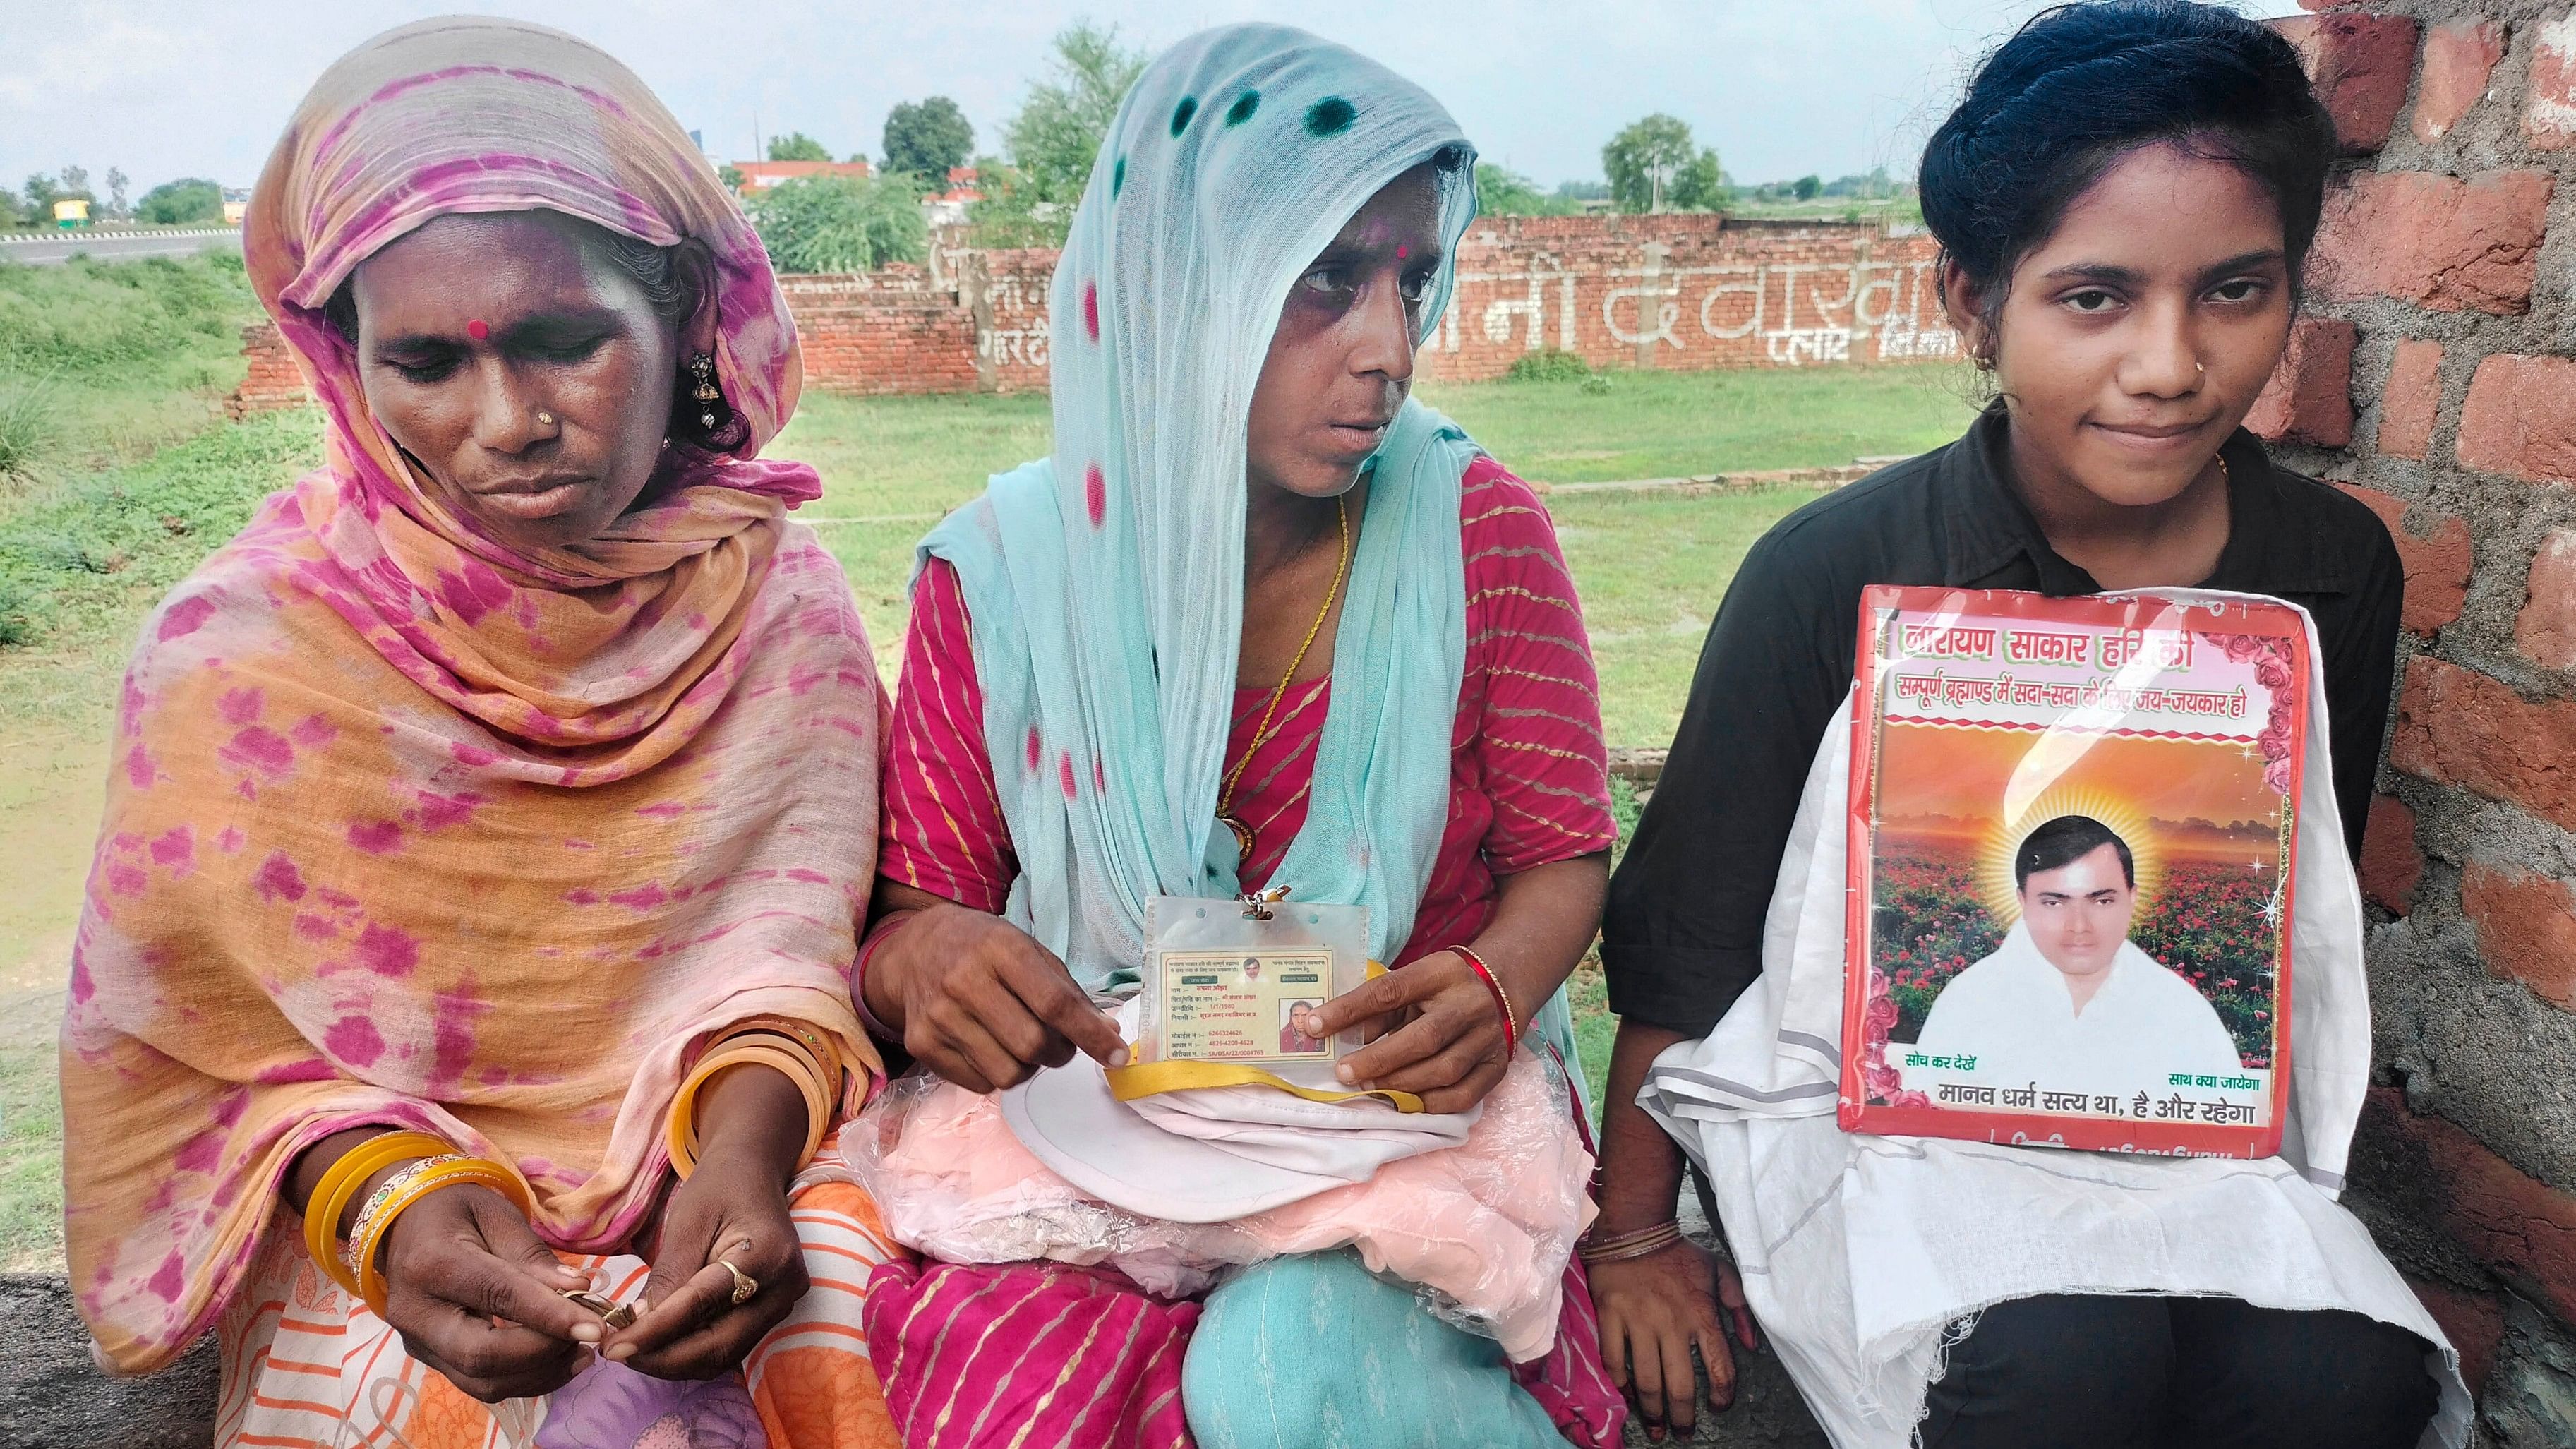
[{"x": 744, "y": 1285}]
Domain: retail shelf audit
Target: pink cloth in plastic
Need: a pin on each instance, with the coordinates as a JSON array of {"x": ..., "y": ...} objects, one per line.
[{"x": 1485, "y": 1227}]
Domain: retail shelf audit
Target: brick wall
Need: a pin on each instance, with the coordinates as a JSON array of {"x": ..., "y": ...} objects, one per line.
[
  {"x": 2433, "y": 379},
  {"x": 1622, "y": 291},
  {"x": 274, "y": 381},
  {"x": 1689, "y": 292},
  {"x": 883, "y": 332}
]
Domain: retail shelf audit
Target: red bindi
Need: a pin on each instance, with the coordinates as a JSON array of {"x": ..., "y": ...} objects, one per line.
[
  {"x": 1402, "y": 251},
  {"x": 478, "y": 329}
]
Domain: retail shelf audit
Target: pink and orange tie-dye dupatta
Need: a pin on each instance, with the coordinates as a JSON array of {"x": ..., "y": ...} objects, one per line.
[{"x": 405, "y": 827}]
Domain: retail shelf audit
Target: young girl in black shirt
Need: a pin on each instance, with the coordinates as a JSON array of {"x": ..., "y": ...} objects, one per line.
[{"x": 2124, "y": 200}]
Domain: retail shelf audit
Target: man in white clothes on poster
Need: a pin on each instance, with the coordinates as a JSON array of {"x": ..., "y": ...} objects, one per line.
[{"x": 2067, "y": 1002}]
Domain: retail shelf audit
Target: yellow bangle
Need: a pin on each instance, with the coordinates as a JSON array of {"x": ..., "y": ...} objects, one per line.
[
  {"x": 341, "y": 1181},
  {"x": 827, "y": 1055},
  {"x": 420, "y": 1183},
  {"x": 798, "y": 1066}
]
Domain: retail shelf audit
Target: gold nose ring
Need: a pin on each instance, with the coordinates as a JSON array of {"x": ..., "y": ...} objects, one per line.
[{"x": 546, "y": 418}]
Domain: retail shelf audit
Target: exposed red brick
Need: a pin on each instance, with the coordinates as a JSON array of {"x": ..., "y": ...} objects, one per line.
[
  {"x": 2308, "y": 398},
  {"x": 2458, "y": 56},
  {"x": 2437, "y": 560},
  {"x": 2473, "y": 1322},
  {"x": 2526, "y": 928},
  {"x": 2546, "y": 627},
  {"x": 2391, "y": 864},
  {"x": 2440, "y": 242},
  {"x": 2456, "y": 726},
  {"x": 2520, "y": 418},
  {"x": 2549, "y": 108},
  {"x": 2360, "y": 65},
  {"x": 2522, "y": 1229},
  {"x": 2412, "y": 401},
  {"x": 274, "y": 380}
]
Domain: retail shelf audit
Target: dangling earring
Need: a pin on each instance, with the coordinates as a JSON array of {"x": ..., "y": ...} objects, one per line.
[{"x": 703, "y": 368}]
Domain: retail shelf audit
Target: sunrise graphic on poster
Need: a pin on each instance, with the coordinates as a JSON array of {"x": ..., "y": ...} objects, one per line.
[{"x": 2071, "y": 865}]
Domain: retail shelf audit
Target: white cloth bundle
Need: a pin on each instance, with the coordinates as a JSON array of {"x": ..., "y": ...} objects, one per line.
[{"x": 1858, "y": 1251}]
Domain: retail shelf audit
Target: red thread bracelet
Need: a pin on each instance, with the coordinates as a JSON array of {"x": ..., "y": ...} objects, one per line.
[{"x": 1502, "y": 998}]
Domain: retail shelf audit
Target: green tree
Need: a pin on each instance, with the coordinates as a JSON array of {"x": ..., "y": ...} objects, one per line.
[
  {"x": 797, "y": 146},
  {"x": 1051, "y": 141},
  {"x": 43, "y": 191},
  {"x": 731, "y": 176},
  {"x": 175, "y": 203},
  {"x": 1642, "y": 160},
  {"x": 928, "y": 139},
  {"x": 1501, "y": 191},
  {"x": 1700, "y": 185},
  {"x": 1806, "y": 188},
  {"x": 117, "y": 181},
  {"x": 841, "y": 223}
]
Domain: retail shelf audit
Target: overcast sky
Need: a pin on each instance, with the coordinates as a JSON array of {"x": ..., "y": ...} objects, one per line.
[{"x": 166, "y": 88}]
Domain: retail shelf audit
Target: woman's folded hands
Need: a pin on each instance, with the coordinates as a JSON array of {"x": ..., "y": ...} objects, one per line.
[
  {"x": 726, "y": 1265},
  {"x": 479, "y": 1297}
]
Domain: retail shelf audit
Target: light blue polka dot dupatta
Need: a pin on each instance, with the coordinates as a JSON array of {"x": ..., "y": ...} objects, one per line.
[{"x": 1105, "y": 583}]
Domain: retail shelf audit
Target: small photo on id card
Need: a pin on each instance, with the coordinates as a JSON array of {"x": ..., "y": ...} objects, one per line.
[
  {"x": 1227, "y": 981},
  {"x": 1220, "y": 1006}
]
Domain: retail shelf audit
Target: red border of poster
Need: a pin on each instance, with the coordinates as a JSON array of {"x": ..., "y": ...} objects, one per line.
[{"x": 2232, "y": 615}]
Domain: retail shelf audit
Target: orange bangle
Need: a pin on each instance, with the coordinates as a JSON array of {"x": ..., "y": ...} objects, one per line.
[
  {"x": 341, "y": 1181},
  {"x": 1502, "y": 998},
  {"x": 827, "y": 1054},
  {"x": 425, "y": 1180},
  {"x": 766, "y": 1049}
]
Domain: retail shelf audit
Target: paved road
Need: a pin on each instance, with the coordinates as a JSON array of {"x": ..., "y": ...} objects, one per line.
[{"x": 43, "y": 248}]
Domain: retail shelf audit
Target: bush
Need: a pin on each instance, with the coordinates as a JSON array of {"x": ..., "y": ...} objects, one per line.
[
  {"x": 26, "y": 422},
  {"x": 17, "y": 622},
  {"x": 176, "y": 203},
  {"x": 797, "y": 146},
  {"x": 80, "y": 555},
  {"x": 88, "y": 317},
  {"x": 1549, "y": 364},
  {"x": 841, "y": 223},
  {"x": 1501, "y": 191}
]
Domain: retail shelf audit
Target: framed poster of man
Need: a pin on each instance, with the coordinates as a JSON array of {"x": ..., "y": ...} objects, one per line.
[{"x": 2072, "y": 840}]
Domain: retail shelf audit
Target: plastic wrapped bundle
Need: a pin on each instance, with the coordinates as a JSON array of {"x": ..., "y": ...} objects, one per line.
[{"x": 1481, "y": 1230}]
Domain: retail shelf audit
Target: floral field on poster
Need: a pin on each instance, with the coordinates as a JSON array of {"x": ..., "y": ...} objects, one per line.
[{"x": 2071, "y": 860}]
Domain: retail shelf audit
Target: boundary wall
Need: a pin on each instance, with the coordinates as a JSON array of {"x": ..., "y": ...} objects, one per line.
[
  {"x": 2435, "y": 379},
  {"x": 1681, "y": 292}
]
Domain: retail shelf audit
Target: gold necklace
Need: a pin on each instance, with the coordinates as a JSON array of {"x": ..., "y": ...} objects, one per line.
[{"x": 1243, "y": 837}]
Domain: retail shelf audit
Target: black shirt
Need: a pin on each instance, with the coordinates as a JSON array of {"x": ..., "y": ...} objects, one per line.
[{"x": 1683, "y": 933}]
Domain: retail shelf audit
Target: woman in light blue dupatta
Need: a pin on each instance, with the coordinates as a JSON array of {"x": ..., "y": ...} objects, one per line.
[{"x": 1260, "y": 618}]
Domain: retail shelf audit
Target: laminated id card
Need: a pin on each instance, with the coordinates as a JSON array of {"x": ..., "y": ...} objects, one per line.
[{"x": 1237, "y": 981}]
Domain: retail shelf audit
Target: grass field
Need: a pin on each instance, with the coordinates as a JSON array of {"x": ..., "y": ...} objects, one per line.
[
  {"x": 892, "y": 466},
  {"x": 117, "y": 473}
]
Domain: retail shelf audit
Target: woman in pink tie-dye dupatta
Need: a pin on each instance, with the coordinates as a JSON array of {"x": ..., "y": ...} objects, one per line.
[{"x": 500, "y": 767}]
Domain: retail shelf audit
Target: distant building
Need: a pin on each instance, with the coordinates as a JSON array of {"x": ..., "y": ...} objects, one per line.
[
  {"x": 234, "y": 211},
  {"x": 760, "y": 176},
  {"x": 948, "y": 208}
]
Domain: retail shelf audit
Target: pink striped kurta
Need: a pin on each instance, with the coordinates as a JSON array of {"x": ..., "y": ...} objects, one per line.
[
  {"x": 1528, "y": 778},
  {"x": 1080, "y": 1355}
]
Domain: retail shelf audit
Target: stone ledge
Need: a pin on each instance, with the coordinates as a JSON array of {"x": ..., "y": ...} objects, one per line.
[{"x": 56, "y": 1396}]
